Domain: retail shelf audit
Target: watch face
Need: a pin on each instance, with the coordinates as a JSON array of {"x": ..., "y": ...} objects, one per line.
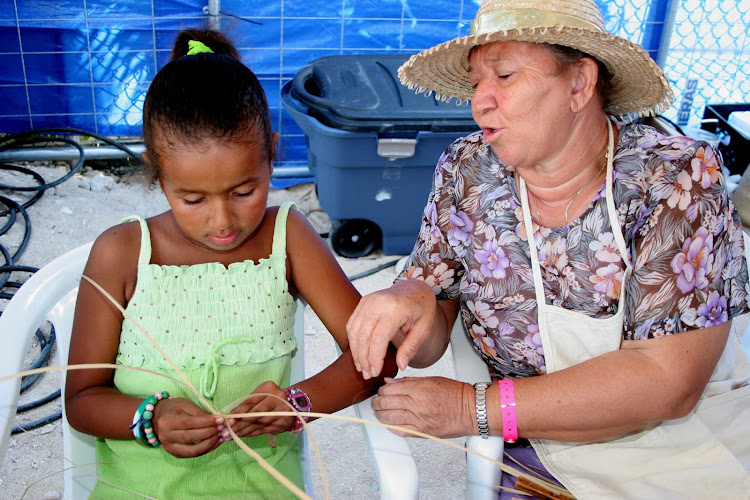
[{"x": 299, "y": 399}]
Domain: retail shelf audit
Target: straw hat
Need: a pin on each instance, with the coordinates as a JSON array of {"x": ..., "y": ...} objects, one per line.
[{"x": 638, "y": 85}]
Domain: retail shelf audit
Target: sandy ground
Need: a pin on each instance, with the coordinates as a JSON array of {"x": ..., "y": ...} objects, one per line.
[{"x": 74, "y": 213}]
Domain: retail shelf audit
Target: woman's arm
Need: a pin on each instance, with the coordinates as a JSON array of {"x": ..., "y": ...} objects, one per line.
[{"x": 644, "y": 382}]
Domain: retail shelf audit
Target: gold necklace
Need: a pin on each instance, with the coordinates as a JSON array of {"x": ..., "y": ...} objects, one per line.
[{"x": 573, "y": 198}]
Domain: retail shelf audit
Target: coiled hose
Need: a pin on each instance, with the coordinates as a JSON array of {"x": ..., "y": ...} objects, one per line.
[{"x": 12, "y": 211}]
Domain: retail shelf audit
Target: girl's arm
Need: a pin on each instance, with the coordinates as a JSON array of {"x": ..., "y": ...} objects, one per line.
[
  {"x": 92, "y": 403},
  {"x": 93, "y": 406},
  {"x": 317, "y": 276}
]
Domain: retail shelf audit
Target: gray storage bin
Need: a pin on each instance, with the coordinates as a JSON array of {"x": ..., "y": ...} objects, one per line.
[{"x": 372, "y": 147}]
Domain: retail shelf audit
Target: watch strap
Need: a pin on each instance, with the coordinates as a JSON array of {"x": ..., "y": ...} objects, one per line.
[{"x": 480, "y": 396}]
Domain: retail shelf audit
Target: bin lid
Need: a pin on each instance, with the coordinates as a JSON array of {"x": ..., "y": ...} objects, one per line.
[{"x": 363, "y": 93}]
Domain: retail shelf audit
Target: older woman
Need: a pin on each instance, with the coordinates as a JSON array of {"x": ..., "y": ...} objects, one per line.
[{"x": 596, "y": 267}]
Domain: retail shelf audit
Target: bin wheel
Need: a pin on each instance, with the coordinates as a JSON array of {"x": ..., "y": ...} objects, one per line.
[{"x": 354, "y": 238}]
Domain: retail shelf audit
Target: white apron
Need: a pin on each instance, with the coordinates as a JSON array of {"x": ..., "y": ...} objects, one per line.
[{"x": 703, "y": 455}]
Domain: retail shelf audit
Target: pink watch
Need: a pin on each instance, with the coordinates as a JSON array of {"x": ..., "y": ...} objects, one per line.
[{"x": 301, "y": 402}]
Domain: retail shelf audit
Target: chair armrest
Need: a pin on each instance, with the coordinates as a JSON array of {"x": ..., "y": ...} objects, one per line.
[
  {"x": 397, "y": 472},
  {"x": 395, "y": 466},
  {"x": 481, "y": 475}
]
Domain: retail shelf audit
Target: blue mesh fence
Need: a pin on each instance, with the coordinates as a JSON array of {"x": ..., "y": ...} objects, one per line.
[{"x": 88, "y": 63}]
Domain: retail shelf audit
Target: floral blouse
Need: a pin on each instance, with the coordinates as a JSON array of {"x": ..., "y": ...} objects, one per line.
[{"x": 682, "y": 233}]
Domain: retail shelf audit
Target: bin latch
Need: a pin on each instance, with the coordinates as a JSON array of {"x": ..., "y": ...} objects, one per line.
[{"x": 396, "y": 149}]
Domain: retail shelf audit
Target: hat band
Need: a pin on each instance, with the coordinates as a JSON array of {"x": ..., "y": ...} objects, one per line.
[{"x": 510, "y": 19}]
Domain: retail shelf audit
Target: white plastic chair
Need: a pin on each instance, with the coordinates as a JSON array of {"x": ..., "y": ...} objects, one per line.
[
  {"x": 482, "y": 476},
  {"x": 50, "y": 295}
]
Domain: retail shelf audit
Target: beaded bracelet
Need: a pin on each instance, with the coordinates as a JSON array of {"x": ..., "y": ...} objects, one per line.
[
  {"x": 142, "y": 428},
  {"x": 508, "y": 410}
]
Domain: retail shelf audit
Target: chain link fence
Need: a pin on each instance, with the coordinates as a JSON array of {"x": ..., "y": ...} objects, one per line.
[{"x": 88, "y": 63}]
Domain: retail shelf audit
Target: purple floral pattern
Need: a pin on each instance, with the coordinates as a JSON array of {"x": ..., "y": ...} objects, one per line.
[{"x": 682, "y": 234}]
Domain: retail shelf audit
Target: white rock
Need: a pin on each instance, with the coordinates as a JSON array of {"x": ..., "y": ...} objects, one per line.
[
  {"x": 52, "y": 495},
  {"x": 66, "y": 211},
  {"x": 101, "y": 182},
  {"x": 83, "y": 182}
]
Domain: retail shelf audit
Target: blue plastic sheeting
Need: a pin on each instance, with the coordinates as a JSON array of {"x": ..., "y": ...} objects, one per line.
[{"x": 88, "y": 63}]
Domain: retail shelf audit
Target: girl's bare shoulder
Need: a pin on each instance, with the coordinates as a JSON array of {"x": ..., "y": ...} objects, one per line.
[{"x": 118, "y": 243}]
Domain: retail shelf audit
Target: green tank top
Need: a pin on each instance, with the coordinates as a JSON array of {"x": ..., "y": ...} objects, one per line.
[{"x": 228, "y": 329}]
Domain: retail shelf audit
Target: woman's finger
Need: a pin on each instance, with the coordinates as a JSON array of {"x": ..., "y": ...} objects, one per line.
[
  {"x": 381, "y": 332},
  {"x": 398, "y": 417},
  {"x": 401, "y": 433},
  {"x": 365, "y": 327},
  {"x": 353, "y": 334},
  {"x": 395, "y": 402}
]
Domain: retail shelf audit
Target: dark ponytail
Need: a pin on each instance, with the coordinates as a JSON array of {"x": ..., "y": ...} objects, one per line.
[{"x": 205, "y": 97}]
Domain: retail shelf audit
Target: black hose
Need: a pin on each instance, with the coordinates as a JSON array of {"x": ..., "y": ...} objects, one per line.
[
  {"x": 39, "y": 402},
  {"x": 373, "y": 270},
  {"x": 46, "y": 346},
  {"x": 21, "y": 137},
  {"x": 27, "y": 227},
  {"x": 42, "y": 187},
  {"x": 17, "y": 429},
  {"x": 39, "y": 188}
]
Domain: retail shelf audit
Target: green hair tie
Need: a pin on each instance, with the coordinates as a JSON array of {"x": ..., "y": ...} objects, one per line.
[{"x": 196, "y": 47}]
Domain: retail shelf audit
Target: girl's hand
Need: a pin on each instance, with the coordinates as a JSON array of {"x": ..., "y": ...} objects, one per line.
[
  {"x": 438, "y": 406},
  {"x": 255, "y": 426},
  {"x": 185, "y": 429}
]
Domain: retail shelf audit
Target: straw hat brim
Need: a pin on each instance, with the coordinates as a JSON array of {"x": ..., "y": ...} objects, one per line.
[{"x": 638, "y": 85}]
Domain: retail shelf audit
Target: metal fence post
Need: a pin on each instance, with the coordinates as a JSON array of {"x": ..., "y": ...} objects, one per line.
[{"x": 214, "y": 19}]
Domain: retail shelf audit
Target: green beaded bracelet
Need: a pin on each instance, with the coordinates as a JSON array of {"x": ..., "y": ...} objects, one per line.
[{"x": 142, "y": 428}]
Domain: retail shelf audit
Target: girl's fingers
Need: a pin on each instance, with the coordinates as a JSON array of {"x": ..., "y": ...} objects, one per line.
[
  {"x": 264, "y": 426},
  {"x": 185, "y": 422},
  {"x": 181, "y": 450},
  {"x": 187, "y": 436}
]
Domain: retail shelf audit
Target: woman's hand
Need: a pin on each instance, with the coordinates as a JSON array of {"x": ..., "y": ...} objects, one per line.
[
  {"x": 255, "y": 426},
  {"x": 405, "y": 311},
  {"x": 438, "y": 406},
  {"x": 185, "y": 429}
]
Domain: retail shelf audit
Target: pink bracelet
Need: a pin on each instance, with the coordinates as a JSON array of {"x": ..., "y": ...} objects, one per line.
[{"x": 508, "y": 410}]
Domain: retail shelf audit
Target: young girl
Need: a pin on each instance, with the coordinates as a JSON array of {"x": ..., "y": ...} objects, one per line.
[{"x": 213, "y": 281}]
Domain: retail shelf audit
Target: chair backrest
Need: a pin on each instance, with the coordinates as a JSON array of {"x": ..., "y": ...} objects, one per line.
[{"x": 50, "y": 295}]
